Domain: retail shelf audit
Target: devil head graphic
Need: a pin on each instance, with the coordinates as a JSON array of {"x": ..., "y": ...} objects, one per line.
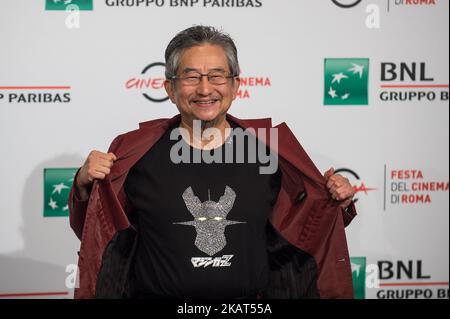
[{"x": 210, "y": 219}]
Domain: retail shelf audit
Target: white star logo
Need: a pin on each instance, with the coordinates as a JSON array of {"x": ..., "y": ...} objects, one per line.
[
  {"x": 357, "y": 69},
  {"x": 59, "y": 187},
  {"x": 345, "y": 96},
  {"x": 332, "y": 93},
  {"x": 52, "y": 204},
  {"x": 356, "y": 268},
  {"x": 65, "y": 1},
  {"x": 66, "y": 208},
  {"x": 338, "y": 77}
]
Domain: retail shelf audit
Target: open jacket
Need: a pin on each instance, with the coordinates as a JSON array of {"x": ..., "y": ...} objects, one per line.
[{"x": 306, "y": 242}]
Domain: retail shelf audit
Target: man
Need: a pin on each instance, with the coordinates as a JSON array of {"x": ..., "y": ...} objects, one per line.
[{"x": 154, "y": 226}]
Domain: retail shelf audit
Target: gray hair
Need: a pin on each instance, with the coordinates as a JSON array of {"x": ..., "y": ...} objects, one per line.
[{"x": 195, "y": 36}]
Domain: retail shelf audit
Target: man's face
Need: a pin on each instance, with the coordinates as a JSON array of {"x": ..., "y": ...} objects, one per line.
[{"x": 205, "y": 101}]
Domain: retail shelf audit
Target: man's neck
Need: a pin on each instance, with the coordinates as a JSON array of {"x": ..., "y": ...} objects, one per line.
[{"x": 198, "y": 139}]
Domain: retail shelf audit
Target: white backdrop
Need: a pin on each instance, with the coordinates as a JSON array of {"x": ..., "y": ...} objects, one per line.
[{"x": 85, "y": 60}]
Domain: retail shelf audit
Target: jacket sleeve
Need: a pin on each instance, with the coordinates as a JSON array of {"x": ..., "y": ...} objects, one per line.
[
  {"x": 349, "y": 213},
  {"x": 77, "y": 210},
  {"x": 78, "y": 207}
]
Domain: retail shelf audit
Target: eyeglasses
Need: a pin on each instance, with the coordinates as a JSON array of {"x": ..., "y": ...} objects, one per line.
[{"x": 194, "y": 78}]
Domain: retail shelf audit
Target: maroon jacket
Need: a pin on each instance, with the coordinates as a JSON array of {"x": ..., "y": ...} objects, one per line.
[{"x": 305, "y": 216}]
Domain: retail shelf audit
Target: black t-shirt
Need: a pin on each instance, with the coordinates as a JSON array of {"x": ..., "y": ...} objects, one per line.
[{"x": 201, "y": 225}]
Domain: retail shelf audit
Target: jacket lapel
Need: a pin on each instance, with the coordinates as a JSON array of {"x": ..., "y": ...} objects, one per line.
[
  {"x": 291, "y": 153},
  {"x": 295, "y": 163},
  {"x": 134, "y": 145}
]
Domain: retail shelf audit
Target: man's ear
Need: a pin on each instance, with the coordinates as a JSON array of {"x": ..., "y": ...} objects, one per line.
[{"x": 168, "y": 85}]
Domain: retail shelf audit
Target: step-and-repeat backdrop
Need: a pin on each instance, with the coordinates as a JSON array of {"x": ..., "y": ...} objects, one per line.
[{"x": 362, "y": 84}]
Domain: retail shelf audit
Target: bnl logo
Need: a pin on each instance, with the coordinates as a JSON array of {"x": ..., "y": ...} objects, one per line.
[
  {"x": 57, "y": 185},
  {"x": 64, "y": 5},
  {"x": 346, "y": 81},
  {"x": 359, "y": 276},
  {"x": 364, "y": 276}
]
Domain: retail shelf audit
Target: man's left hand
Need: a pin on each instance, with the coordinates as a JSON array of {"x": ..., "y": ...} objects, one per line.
[{"x": 339, "y": 187}]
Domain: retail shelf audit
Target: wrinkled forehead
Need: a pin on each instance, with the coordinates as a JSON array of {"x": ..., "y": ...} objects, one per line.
[{"x": 203, "y": 58}]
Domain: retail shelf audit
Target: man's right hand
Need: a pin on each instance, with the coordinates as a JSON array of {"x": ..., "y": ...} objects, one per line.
[{"x": 97, "y": 166}]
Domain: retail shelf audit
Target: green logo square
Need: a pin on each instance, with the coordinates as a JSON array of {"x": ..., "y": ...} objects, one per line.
[
  {"x": 57, "y": 184},
  {"x": 359, "y": 276},
  {"x": 346, "y": 81},
  {"x": 62, "y": 5}
]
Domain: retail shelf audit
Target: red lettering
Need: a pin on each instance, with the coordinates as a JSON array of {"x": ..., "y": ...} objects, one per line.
[
  {"x": 393, "y": 174},
  {"x": 415, "y": 199},
  {"x": 407, "y": 174},
  {"x": 145, "y": 83},
  {"x": 430, "y": 186},
  {"x": 130, "y": 83},
  {"x": 158, "y": 83},
  {"x": 243, "y": 94},
  {"x": 154, "y": 83},
  {"x": 426, "y": 2},
  {"x": 255, "y": 81}
]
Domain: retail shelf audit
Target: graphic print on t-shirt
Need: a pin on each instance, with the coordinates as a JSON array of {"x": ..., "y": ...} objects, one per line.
[{"x": 210, "y": 219}]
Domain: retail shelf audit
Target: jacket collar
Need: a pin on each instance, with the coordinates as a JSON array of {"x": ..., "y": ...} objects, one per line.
[
  {"x": 136, "y": 143},
  {"x": 247, "y": 123}
]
